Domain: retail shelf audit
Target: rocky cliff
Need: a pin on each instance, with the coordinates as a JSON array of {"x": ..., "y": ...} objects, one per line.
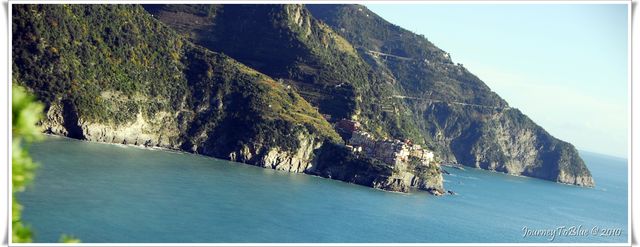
[
  {"x": 218, "y": 107},
  {"x": 336, "y": 162},
  {"x": 458, "y": 114},
  {"x": 112, "y": 73},
  {"x": 503, "y": 140}
]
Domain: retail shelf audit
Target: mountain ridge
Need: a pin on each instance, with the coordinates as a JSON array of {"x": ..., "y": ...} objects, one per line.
[
  {"x": 435, "y": 65},
  {"x": 134, "y": 80},
  {"x": 439, "y": 103},
  {"x": 267, "y": 84}
]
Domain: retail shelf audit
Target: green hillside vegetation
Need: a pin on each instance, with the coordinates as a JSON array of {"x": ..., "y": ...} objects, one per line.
[
  {"x": 427, "y": 70},
  {"x": 77, "y": 52},
  {"x": 302, "y": 52},
  {"x": 110, "y": 63}
]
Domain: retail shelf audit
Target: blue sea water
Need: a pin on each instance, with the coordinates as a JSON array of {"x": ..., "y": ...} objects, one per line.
[{"x": 108, "y": 193}]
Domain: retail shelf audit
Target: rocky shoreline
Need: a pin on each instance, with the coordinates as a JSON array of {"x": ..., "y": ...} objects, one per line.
[{"x": 305, "y": 159}]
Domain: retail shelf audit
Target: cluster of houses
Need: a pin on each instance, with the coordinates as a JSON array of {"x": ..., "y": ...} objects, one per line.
[{"x": 393, "y": 152}]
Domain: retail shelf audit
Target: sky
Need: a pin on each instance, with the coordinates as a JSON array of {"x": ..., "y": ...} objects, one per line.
[{"x": 565, "y": 66}]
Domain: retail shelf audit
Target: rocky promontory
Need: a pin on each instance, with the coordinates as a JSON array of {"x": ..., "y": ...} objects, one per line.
[{"x": 460, "y": 118}]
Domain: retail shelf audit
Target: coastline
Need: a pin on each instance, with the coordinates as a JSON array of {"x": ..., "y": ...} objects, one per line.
[{"x": 175, "y": 151}]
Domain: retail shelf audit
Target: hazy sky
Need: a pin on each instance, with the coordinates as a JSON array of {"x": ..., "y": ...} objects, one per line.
[{"x": 564, "y": 66}]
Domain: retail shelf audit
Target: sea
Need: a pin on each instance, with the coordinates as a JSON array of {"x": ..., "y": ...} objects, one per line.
[{"x": 105, "y": 193}]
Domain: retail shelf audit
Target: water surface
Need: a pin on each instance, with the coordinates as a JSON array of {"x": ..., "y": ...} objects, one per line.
[{"x": 109, "y": 193}]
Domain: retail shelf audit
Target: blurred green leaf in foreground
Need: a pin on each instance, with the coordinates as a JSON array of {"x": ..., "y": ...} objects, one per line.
[{"x": 25, "y": 112}]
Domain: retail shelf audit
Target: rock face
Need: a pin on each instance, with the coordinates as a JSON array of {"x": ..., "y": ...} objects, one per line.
[
  {"x": 583, "y": 180},
  {"x": 505, "y": 141},
  {"x": 158, "y": 132},
  {"x": 337, "y": 162},
  {"x": 161, "y": 131},
  {"x": 332, "y": 160},
  {"x": 298, "y": 160},
  {"x": 460, "y": 118}
]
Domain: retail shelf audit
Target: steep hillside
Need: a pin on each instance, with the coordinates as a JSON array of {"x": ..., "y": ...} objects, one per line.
[
  {"x": 457, "y": 113},
  {"x": 286, "y": 42},
  {"x": 133, "y": 80},
  {"x": 113, "y": 73}
]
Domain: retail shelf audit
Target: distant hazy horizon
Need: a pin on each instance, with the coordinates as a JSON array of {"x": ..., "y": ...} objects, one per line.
[{"x": 563, "y": 65}]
